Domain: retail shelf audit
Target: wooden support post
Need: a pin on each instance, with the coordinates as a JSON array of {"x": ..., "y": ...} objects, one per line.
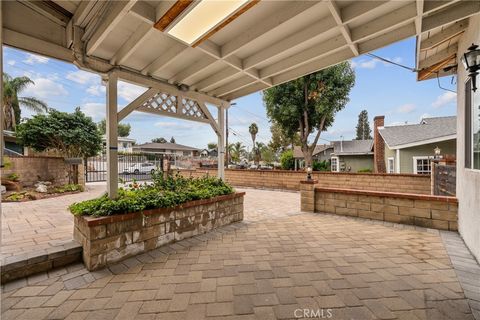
[
  {"x": 112, "y": 136},
  {"x": 2, "y": 142},
  {"x": 221, "y": 143}
]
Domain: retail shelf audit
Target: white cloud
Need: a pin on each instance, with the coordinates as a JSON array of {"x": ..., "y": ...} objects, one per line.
[
  {"x": 11, "y": 62},
  {"x": 83, "y": 77},
  {"x": 94, "y": 109},
  {"x": 96, "y": 90},
  {"x": 406, "y": 108},
  {"x": 372, "y": 63},
  {"x": 33, "y": 59},
  {"x": 45, "y": 88},
  {"x": 444, "y": 99},
  {"x": 129, "y": 92}
]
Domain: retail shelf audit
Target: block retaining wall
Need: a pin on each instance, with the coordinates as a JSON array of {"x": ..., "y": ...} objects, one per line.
[
  {"x": 290, "y": 180},
  {"x": 110, "y": 239},
  {"x": 437, "y": 212}
]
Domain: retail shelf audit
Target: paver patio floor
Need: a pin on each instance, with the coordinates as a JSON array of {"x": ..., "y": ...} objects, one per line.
[{"x": 277, "y": 261}]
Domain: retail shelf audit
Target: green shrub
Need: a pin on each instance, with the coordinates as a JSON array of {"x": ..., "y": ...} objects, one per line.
[
  {"x": 287, "y": 161},
  {"x": 68, "y": 188},
  {"x": 365, "y": 170},
  {"x": 162, "y": 193},
  {"x": 13, "y": 177},
  {"x": 321, "y": 165}
]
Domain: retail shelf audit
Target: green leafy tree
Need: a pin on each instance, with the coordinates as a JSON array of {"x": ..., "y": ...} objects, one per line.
[
  {"x": 211, "y": 146},
  {"x": 123, "y": 128},
  {"x": 287, "y": 161},
  {"x": 280, "y": 141},
  {"x": 12, "y": 102},
  {"x": 267, "y": 155},
  {"x": 159, "y": 140},
  {"x": 237, "y": 150},
  {"x": 73, "y": 134},
  {"x": 308, "y": 104},
  {"x": 363, "y": 127},
  {"x": 172, "y": 140}
]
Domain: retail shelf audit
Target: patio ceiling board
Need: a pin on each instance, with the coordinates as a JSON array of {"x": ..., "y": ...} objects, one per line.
[{"x": 270, "y": 43}]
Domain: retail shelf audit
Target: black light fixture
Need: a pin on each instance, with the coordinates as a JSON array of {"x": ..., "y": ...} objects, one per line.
[{"x": 471, "y": 62}]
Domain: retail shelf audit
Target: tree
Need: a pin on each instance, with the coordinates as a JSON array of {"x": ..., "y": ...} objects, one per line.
[
  {"x": 363, "y": 127},
  {"x": 73, "y": 134},
  {"x": 287, "y": 161},
  {"x": 123, "y": 128},
  {"x": 308, "y": 104},
  {"x": 159, "y": 140},
  {"x": 172, "y": 140},
  {"x": 237, "y": 150},
  {"x": 280, "y": 141},
  {"x": 12, "y": 102},
  {"x": 253, "y": 129},
  {"x": 211, "y": 146},
  {"x": 267, "y": 155}
]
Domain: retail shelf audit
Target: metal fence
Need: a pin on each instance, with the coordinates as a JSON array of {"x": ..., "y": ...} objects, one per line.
[
  {"x": 138, "y": 166},
  {"x": 445, "y": 180}
]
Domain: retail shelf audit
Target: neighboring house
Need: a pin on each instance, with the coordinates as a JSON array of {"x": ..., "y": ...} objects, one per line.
[
  {"x": 124, "y": 144},
  {"x": 12, "y": 147},
  {"x": 167, "y": 148},
  {"x": 352, "y": 156},
  {"x": 321, "y": 153},
  {"x": 410, "y": 148}
]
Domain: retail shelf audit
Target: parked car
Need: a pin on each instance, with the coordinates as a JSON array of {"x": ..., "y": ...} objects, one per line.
[
  {"x": 266, "y": 167},
  {"x": 253, "y": 167},
  {"x": 140, "y": 168}
]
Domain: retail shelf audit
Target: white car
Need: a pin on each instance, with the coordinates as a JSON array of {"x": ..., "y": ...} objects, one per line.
[{"x": 140, "y": 168}]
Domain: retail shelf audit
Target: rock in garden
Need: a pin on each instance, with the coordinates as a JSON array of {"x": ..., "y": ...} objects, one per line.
[{"x": 41, "y": 188}]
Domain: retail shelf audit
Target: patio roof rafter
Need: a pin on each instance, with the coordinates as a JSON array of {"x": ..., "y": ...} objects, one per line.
[{"x": 344, "y": 29}]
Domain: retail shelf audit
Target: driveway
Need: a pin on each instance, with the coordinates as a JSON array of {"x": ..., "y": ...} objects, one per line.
[{"x": 277, "y": 264}]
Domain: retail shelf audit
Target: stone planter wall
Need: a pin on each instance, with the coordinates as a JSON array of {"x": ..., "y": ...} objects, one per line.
[
  {"x": 110, "y": 239},
  {"x": 437, "y": 212}
]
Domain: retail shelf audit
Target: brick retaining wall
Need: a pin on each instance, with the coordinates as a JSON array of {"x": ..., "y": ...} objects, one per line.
[
  {"x": 32, "y": 169},
  {"x": 437, "y": 212},
  {"x": 106, "y": 240},
  {"x": 290, "y": 180}
]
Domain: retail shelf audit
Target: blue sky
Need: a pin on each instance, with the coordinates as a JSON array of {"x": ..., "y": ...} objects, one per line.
[{"x": 381, "y": 88}]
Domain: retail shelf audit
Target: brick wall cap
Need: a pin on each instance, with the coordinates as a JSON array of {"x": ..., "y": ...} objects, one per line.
[
  {"x": 412, "y": 196},
  {"x": 309, "y": 181},
  {"x": 97, "y": 221}
]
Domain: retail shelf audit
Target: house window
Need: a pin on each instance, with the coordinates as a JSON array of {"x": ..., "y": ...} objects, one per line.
[
  {"x": 472, "y": 127},
  {"x": 422, "y": 165},
  {"x": 334, "y": 165},
  {"x": 476, "y": 129},
  {"x": 391, "y": 165}
]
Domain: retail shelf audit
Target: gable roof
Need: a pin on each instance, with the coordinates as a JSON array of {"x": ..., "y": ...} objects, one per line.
[
  {"x": 164, "y": 146},
  {"x": 353, "y": 147},
  {"x": 429, "y": 130},
  {"x": 297, "y": 150}
]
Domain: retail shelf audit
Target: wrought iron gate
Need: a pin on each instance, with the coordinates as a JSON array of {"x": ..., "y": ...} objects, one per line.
[
  {"x": 444, "y": 180},
  {"x": 138, "y": 166}
]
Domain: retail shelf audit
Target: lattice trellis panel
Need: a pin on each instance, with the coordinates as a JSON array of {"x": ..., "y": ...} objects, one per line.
[{"x": 163, "y": 103}]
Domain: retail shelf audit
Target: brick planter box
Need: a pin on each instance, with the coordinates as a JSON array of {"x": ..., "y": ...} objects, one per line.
[{"x": 110, "y": 239}]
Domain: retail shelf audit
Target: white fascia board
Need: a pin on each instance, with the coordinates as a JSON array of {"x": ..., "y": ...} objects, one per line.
[{"x": 420, "y": 143}]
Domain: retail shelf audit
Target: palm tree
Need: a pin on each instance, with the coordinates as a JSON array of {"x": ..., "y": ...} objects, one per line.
[
  {"x": 236, "y": 151},
  {"x": 253, "y": 129},
  {"x": 12, "y": 103}
]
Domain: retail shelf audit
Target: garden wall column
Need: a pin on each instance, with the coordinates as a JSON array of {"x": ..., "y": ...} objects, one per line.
[
  {"x": 307, "y": 195},
  {"x": 221, "y": 142},
  {"x": 112, "y": 136}
]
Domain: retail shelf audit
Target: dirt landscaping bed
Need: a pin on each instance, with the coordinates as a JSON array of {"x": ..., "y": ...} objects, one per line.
[{"x": 30, "y": 194}]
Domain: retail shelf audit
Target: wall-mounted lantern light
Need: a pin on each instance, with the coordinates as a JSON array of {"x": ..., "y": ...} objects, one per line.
[
  {"x": 309, "y": 173},
  {"x": 437, "y": 152},
  {"x": 471, "y": 62}
]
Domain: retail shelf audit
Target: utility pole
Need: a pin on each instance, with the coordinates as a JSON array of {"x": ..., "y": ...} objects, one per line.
[{"x": 226, "y": 134}]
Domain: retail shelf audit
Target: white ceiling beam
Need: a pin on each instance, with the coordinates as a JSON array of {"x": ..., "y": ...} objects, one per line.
[
  {"x": 116, "y": 12},
  {"x": 387, "y": 38},
  {"x": 304, "y": 57},
  {"x": 132, "y": 44},
  {"x": 306, "y": 35},
  {"x": 314, "y": 66},
  {"x": 444, "y": 35},
  {"x": 418, "y": 28},
  {"x": 433, "y": 5},
  {"x": 144, "y": 12},
  {"x": 82, "y": 12},
  {"x": 453, "y": 13},
  {"x": 192, "y": 70},
  {"x": 164, "y": 60},
  {"x": 213, "y": 81},
  {"x": 358, "y": 9},
  {"x": 387, "y": 22},
  {"x": 257, "y": 86},
  {"x": 438, "y": 57},
  {"x": 232, "y": 86},
  {"x": 292, "y": 10},
  {"x": 172, "y": 115},
  {"x": 335, "y": 11}
]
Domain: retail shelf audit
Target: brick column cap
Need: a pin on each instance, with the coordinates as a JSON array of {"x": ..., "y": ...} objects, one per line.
[{"x": 309, "y": 181}]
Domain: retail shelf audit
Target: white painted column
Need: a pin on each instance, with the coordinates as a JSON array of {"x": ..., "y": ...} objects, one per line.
[
  {"x": 112, "y": 136},
  {"x": 2, "y": 142},
  {"x": 221, "y": 143},
  {"x": 397, "y": 160}
]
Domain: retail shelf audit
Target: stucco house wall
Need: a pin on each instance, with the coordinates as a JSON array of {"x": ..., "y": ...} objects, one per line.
[
  {"x": 468, "y": 180},
  {"x": 357, "y": 162},
  {"x": 407, "y": 154}
]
